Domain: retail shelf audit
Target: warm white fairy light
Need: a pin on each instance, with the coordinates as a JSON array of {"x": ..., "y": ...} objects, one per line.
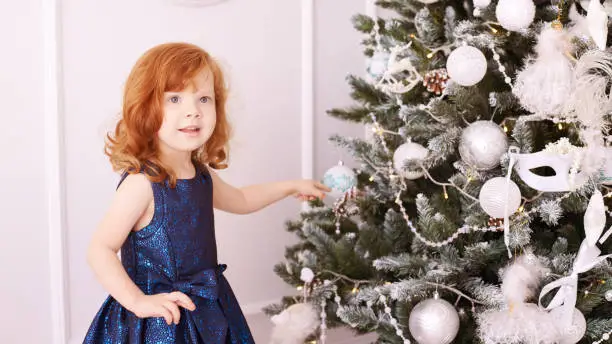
[
  {"x": 463, "y": 229},
  {"x": 381, "y": 298}
]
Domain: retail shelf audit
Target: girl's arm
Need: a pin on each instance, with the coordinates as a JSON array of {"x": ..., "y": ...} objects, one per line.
[
  {"x": 255, "y": 197},
  {"x": 131, "y": 200}
]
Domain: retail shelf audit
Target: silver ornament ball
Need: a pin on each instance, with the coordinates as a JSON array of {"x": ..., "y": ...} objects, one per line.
[
  {"x": 434, "y": 321},
  {"x": 493, "y": 197},
  {"x": 482, "y": 145},
  {"x": 466, "y": 65},
  {"x": 608, "y": 295},
  {"x": 409, "y": 151},
  {"x": 515, "y": 15}
]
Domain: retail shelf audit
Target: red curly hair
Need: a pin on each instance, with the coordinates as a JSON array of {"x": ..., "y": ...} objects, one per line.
[{"x": 169, "y": 67}]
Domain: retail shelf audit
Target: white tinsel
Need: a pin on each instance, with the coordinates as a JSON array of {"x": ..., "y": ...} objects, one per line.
[
  {"x": 550, "y": 212},
  {"x": 520, "y": 233}
]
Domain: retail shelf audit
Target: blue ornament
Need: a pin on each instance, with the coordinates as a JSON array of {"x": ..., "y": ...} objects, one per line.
[{"x": 339, "y": 179}]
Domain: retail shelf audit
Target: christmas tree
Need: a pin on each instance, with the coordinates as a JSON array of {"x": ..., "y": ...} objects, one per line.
[{"x": 477, "y": 212}]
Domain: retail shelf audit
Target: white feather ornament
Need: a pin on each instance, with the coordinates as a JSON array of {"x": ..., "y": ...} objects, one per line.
[
  {"x": 294, "y": 324},
  {"x": 521, "y": 322},
  {"x": 598, "y": 23},
  {"x": 590, "y": 99},
  {"x": 545, "y": 82}
]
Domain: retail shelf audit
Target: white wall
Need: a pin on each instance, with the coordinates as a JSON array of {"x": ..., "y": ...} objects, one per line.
[
  {"x": 259, "y": 45},
  {"x": 263, "y": 66},
  {"x": 337, "y": 54},
  {"x": 24, "y": 242}
]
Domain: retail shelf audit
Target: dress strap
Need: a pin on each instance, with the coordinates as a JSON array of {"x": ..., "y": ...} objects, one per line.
[{"x": 123, "y": 176}]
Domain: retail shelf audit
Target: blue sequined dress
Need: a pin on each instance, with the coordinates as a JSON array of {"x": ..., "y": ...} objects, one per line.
[{"x": 176, "y": 251}]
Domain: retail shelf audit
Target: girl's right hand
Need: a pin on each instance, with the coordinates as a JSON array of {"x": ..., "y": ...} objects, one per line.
[{"x": 162, "y": 305}]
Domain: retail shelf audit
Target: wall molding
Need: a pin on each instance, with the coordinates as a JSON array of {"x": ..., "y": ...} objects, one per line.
[
  {"x": 54, "y": 181},
  {"x": 307, "y": 98},
  {"x": 196, "y": 3},
  {"x": 307, "y": 40}
]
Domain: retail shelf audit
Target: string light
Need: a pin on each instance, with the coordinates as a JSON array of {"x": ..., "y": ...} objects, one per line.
[
  {"x": 560, "y": 125},
  {"x": 430, "y": 55},
  {"x": 461, "y": 230}
]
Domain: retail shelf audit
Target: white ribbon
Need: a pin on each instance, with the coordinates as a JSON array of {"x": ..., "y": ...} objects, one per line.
[
  {"x": 512, "y": 151},
  {"x": 588, "y": 256}
]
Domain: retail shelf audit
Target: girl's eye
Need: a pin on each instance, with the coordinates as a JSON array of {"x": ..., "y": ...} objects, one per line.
[
  {"x": 204, "y": 99},
  {"x": 174, "y": 99}
]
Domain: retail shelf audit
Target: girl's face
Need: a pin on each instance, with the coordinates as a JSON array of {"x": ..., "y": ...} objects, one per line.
[{"x": 189, "y": 115}]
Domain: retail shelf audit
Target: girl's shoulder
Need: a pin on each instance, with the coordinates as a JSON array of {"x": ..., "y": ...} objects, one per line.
[{"x": 136, "y": 182}]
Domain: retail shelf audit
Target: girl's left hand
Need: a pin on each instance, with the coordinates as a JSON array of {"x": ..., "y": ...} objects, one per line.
[{"x": 308, "y": 190}]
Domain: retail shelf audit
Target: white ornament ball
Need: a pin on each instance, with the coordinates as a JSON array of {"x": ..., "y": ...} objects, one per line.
[
  {"x": 608, "y": 295},
  {"x": 493, "y": 197},
  {"x": 409, "y": 151},
  {"x": 482, "y": 3},
  {"x": 306, "y": 275},
  {"x": 515, "y": 15},
  {"x": 377, "y": 64},
  {"x": 482, "y": 145},
  {"x": 339, "y": 179},
  {"x": 434, "y": 321},
  {"x": 466, "y": 65},
  {"x": 574, "y": 333}
]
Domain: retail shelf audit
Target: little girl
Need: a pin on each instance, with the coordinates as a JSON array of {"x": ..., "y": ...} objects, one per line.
[{"x": 168, "y": 286}]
